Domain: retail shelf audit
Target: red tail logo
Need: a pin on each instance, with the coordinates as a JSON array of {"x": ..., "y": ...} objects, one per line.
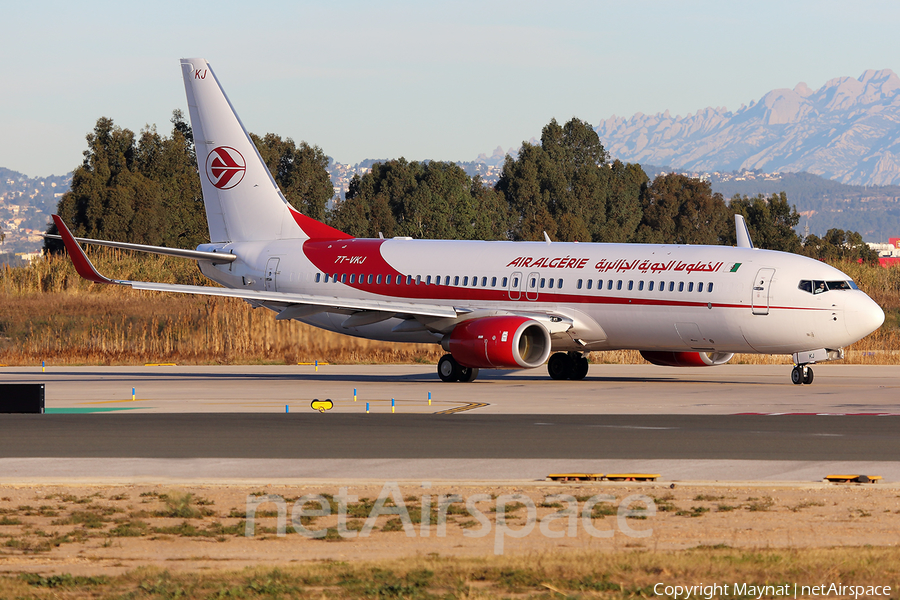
[{"x": 225, "y": 167}]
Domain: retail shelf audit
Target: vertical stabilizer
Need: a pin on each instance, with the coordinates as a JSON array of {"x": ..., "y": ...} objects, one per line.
[{"x": 242, "y": 201}]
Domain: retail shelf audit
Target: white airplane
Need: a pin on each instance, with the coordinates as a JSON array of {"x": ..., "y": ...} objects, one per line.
[{"x": 499, "y": 305}]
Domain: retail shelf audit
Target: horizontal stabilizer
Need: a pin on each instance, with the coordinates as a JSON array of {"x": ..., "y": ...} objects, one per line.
[{"x": 219, "y": 257}]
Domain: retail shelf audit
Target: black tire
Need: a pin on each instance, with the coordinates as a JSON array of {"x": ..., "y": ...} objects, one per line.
[
  {"x": 448, "y": 368},
  {"x": 579, "y": 369},
  {"x": 808, "y": 377},
  {"x": 796, "y": 375},
  {"x": 560, "y": 366},
  {"x": 467, "y": 374}
]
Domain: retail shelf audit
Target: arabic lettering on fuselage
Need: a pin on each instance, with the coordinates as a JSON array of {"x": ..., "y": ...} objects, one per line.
[
  {"x": 647, "y": 266},
  {"x": 619, "y": 266}
]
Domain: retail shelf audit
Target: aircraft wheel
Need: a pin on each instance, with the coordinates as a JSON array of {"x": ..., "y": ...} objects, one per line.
[
  {"x": 796, "y": 376},
  {"x": 467, "y": 374},
  {"x": 808, "y": 376},
  {"x": 560, "y": 366},
  {"x": 448, "y": 368},
  {"x": 579, "y": 369}
]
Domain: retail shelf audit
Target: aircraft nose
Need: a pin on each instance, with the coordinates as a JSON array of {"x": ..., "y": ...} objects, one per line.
[{"x": 862, "y": 317}]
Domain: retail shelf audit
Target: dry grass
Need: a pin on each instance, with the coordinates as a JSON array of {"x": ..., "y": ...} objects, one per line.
[
  {"x": 581, "y": 574},
  {"x": 48, "y": 313}
]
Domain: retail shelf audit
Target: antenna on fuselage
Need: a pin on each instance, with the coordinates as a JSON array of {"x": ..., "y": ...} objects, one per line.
[{"x": 741, "y": 232}]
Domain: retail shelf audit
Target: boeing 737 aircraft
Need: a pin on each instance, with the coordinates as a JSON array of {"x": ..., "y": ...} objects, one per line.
[{"x": 499, "y": 305}]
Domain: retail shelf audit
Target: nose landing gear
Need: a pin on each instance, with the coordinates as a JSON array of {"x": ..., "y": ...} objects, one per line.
[{"x": 802, "y": 374}]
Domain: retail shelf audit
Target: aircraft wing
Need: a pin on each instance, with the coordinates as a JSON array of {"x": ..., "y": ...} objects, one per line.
[{"x": 84, "y": 268}]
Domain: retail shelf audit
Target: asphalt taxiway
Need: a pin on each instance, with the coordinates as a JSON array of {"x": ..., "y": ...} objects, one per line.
[{"x": 257, "y": 422}]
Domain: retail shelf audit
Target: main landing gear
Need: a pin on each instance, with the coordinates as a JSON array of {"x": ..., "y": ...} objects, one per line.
[
  {"x": 450, "y": 370},
  {"x": 802, "y": 374},
  {"x": 571, "y": 365}
]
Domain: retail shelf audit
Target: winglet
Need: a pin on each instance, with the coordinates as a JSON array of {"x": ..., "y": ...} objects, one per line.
[
  {"x": 79, "y": 258},
  {"x": 742, "y": 233}
]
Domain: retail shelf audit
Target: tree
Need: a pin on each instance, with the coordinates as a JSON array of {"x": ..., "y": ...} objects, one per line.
[
  {"x": 682, "y": 210},
  {"x": 143, "y": 190},
  {"x": 300, "y": 171},
  {"x": 771, "y": 221},
  {"x": 436, "y": 200},
  {"x": 839, "y": 245},
  {"x": 566, "y": 187}
]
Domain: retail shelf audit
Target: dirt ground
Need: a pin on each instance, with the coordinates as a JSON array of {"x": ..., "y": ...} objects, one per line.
[{"x": 112, "y": 529}]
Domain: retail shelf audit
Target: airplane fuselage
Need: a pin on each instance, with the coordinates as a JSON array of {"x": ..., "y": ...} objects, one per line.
[{"x": 616, "y": 296}]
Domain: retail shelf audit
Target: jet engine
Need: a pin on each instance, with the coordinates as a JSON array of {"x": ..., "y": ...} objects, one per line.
[
  {"x": 501, "y": 342},
  {"x": 686, "y": 359}
]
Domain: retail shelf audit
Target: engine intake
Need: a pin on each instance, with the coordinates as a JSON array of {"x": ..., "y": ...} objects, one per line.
[
  {"x": 686, "y": 359},
  {"x": 502, "y": 342}
]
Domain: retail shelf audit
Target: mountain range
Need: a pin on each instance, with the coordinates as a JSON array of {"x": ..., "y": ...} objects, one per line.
[{"x": 848, "y": 131}]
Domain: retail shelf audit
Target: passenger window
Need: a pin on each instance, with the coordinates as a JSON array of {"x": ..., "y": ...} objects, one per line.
[
  {"x": 505, "y": 282},
  {"x": 474, "y": 281},
  {"x": 662, "y": 286},
  {"x": 641, "y": 285},
  {"x": 650, "y": 287},
  {"x": 334, "y": 277},
  {"x": 551, "y": 283},
  {"x": 484, "y": 282},
  {"x": 709, "y": 287},
  {"x": 533, "y": 282},
  {"x": 700, "y": 287},
  {"x": 456, "y": 280},
  {"x": 318, "y": 276},
  {"x": 578, "y": 284},
  {"x": 437, "y": 280},
  {"x": 609, "y": 284},
  {"x": 343, "y": 278},
  {"x": 369, "y": 279},
  {"x": 619, "y": 284},
  {"x": 590, "y": 281},
  {"x": 515, "y": 282},
  {"x": 671, "y": 286},
  {"x": 352, "y": 277},
  {"x": 543, "y": 281},
  {"x": 326, "y": 277},
  {"x": 691, "y": 286},
  {"x": 428, "y": 280},
  {"x": 409, "y": 280},
  {"x": 465, "y": 281},
  {"x": 680, "y": 286},
  {"x": 378, "y": 279},
  {"x": 493, "y": 282},
  {"x": 630, "y": 285},
  {"x": 559, "y": 283}
]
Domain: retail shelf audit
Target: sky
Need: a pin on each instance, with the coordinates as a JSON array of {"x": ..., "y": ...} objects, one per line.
[{"x": 422, "y": 80}]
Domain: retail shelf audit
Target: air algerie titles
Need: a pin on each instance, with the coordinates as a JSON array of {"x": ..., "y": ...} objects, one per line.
[{"x": 619, "y": 266}]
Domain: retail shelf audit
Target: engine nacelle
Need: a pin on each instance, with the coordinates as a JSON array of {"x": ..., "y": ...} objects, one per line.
[
  {"x": 686, "y": 359},
  {"x": 502, "y": 342}
]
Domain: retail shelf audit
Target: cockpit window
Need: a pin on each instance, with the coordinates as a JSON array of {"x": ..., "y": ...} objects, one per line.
[{"x": 818, "y": 287}]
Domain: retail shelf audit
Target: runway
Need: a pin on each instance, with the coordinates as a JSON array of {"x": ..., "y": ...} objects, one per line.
[{"x": 214, "y": 423}]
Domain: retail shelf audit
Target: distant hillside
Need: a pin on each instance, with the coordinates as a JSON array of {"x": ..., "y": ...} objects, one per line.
[
  {"x": 848, "y": 131},
  {"x": 26, "y": 204},
  {"x": 873, "y": 211}
]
